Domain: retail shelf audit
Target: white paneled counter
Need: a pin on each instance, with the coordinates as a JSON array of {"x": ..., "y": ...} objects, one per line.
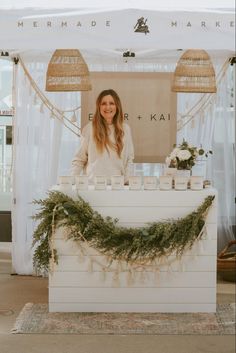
[{"x": 188, "y": 285}]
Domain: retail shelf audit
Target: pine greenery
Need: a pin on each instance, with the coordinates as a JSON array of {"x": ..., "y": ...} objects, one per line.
[{"x": 128, "y": 244}]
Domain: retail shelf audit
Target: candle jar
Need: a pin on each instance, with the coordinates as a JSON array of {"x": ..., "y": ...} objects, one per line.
[
  {"x": 170, "y": 172},
  {"x": 183, "y": 173},
  {"x": 165, "y": 182},
  {"x": 81, "y": 182},
  {"x": 150, "y": 182},
  {"x": 196, "y": 183},
  {"x": 66, "y": 179},
  {"x": 100, "y": 182},
  {"x": 65, "y": 183},
  {"x": 117, "y": 182},
  {"x": 181, "y": 183},
  {"x": 135, "y": 182}
]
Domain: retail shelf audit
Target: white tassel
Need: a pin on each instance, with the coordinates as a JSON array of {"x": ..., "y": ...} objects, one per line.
[
  {"x": 30, "y": 89},
  {"x": 115, "y": 279},
  {"x": 129, "y": 278},
  {"x": 35, "y": 101},
  {"x": 201, "y": 117},
  {"x": 147, "y": 276},
  {"x": 90, "y": 265},
  {"x": 81, "y": 257},
  {"x": 157, "y": 276},
  {"x": 41, "y": 108},
  {"x": 52, "y": 114},
  {"x": 103, "y": 274},
  {"x": 142, "y": 276},
  {"x": 120, "y": 267},
  {"x": 182, "y": 267},
  {"x": 73, "y": 118},
  {"x": 109, "y": 261},
  {"x": 179, "y": 124},
  {"x": 169, "y": 268},
  {"x": 204, "y": 236},
  {"x": 201, "y": 247}
]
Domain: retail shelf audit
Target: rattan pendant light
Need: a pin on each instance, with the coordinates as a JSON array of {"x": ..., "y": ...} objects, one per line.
[
  {"x": 194, "y": 73},
  {"x": 67, "y": 71}
]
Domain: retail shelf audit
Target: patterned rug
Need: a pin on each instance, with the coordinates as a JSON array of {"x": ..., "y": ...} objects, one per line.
[{"x": 35, "y": 318}]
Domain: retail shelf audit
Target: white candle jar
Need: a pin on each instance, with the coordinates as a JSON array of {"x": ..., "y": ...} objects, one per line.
[
  {"x": 150, "y": 182},
  {"x": 183, "y": 173},
  {"x": 117, "y": 182},
  {"x": 135, "y": 182},
  {"x": 65, "y": 183},
  {"x": 66, "y": 179},
  {"x": 170, "y": 172},
  {"x": 165, "y": 182},
  {"x": 196, "y": 183},
  {"x": 100, "y": 182},
  {"x": 181, "y": 183},
  {"x": 81, "y": 182}
]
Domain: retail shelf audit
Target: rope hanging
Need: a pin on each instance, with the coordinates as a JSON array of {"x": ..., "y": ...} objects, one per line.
[
  {"x": 55, "y": 112},
  {"x": 204, "y": 102}
]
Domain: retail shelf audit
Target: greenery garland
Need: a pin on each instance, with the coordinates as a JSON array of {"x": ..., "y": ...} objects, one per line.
[{"x": 118, "y": 243}]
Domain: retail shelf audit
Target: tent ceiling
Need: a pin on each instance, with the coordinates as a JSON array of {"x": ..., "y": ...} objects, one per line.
[{"x": 111, "y": 60}]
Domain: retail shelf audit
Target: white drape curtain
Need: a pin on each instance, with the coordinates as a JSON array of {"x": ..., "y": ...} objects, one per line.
[
  {"x": 43, "y": 149},
  {"x": 213, "y": 127}
]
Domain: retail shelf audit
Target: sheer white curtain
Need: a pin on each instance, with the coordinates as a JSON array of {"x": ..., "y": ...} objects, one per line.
[
  {"x": 39, "y": 143},
  {"x": 43, "y": 148},
  {"x": 213, "y": 127}
]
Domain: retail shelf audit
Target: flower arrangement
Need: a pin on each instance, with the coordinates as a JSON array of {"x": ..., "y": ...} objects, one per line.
[{"x": 184, "y": 156}]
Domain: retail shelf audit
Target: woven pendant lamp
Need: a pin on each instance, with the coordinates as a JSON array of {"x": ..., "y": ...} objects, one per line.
[
  {"x": 194, "y": 73},
  {"x": 67, "y": 71}
]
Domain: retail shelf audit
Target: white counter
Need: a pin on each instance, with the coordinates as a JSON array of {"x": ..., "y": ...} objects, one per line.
[{"x": 186, "y": 286}]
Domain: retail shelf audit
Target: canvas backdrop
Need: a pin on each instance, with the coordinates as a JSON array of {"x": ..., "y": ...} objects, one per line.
[{"x": 149, "y": 108}]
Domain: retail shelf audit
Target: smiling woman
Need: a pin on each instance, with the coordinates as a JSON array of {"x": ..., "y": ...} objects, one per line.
[{"x": 107, "y": 147}]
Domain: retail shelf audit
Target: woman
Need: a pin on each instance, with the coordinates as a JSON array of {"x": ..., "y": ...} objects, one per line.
[{"x": 107, "y": 147}]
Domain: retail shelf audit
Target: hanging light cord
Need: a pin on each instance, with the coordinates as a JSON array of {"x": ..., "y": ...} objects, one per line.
[
  {"x": 207, "y": 98},
  {"x": 57, "y": 113}
]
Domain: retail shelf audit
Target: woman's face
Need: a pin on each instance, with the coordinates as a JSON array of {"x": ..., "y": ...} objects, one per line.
[{"x": 108, "y": 108}]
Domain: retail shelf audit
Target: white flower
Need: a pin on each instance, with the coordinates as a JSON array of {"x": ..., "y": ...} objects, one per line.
[
  {"x": 174, "y": 153},
  {"x": 168, "y": 160},
  {"x": 184, "y": 155}
]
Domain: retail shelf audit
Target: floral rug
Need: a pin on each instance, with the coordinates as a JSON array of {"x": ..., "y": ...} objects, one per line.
[{"x": 35, "y": 318}]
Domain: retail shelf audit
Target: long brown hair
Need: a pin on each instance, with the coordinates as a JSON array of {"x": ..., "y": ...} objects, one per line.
[{"x": 100, "y": 129}]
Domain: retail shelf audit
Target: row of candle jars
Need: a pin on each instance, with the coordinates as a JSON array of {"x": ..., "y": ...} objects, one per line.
[{"x": 166, "y": 182}]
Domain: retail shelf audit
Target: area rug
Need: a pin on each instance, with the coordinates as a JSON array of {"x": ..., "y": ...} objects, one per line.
[{"x": 35, "y": 318}]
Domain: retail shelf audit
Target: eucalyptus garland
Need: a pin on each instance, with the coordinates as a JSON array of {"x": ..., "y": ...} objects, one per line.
[{"x": 144, "y": 244}]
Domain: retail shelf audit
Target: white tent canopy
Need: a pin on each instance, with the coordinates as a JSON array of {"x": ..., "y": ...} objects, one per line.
[
  {"x": 180, "y": 4},
  {"x": 99, "y": 24}
]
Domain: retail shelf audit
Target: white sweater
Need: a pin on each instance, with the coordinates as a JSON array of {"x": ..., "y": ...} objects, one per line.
[{"x": 93, "y": 163}]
